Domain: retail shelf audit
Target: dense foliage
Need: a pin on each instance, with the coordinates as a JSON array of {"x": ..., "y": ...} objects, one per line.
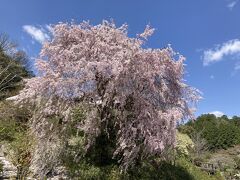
[
  {"x": 184, "y": 144},
  {"x": 219, "y": 132}
]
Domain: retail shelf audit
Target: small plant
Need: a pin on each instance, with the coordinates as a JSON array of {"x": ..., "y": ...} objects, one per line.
[
  {"x": 1, "y": 168},
  {"x": 237, "y": 161}
]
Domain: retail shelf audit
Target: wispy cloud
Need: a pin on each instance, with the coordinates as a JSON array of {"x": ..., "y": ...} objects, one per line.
[
  {"x": 232, "y": 4},
  {"x": 237, "y": 66},
  {"x": 49, "y": 27},
  {"x": 216, "y": 54},
  {"x": 38, "y": 34},
  {"x": 212, "y": 77},
  {"x": 217, "y": 113},
  {"x": 236, "y": 69}
]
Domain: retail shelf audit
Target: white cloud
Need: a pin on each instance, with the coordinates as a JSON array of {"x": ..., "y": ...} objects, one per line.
[
  {"x": 217, "y": 113},
  {"x": 231, "y": 47},
  {"x": 37, "y": 34},
  {"x": 232, "y": 4}
]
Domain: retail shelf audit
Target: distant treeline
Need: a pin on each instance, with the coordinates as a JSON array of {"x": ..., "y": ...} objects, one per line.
[{"x": 219, "y": 132}]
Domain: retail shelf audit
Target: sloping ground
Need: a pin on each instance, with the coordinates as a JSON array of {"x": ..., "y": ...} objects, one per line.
[
  {"x": 226, "y": 157},
  {"x": 227, "y": 160},
  {"x": 9, "y": 171}
]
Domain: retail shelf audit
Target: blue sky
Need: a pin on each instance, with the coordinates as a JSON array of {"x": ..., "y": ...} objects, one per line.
[{"x": 206, "y": 32}]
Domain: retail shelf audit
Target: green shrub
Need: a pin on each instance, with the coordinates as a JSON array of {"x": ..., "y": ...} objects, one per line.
[
  {"x": 14, "y": 135},
  {"x": 184, "y": 144},
  {"x": 19, "y": 152},
  {"x": 13, "y": 120}
]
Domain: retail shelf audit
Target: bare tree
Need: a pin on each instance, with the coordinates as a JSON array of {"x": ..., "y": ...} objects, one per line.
[
  {"x": 13, "y": 64},
  {"x": 200, "y": 144},
  {"x": 7, "y": 46},
  {"x": 5, "y": 79}
]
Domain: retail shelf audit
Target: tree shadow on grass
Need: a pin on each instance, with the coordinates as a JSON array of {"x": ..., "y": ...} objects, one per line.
[{"x": 165, "y": 171}]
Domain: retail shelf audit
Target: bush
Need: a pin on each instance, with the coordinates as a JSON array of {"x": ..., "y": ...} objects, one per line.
[
  {"x": 184, "y": 144},
  {"x": 19, "y": 152},
  {"x": 13, "y": 120},
  {"x": 14, "y": 136}
]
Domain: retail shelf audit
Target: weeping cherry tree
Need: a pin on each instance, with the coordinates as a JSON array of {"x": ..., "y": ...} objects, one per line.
[{"x": 101, "y": 67}]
